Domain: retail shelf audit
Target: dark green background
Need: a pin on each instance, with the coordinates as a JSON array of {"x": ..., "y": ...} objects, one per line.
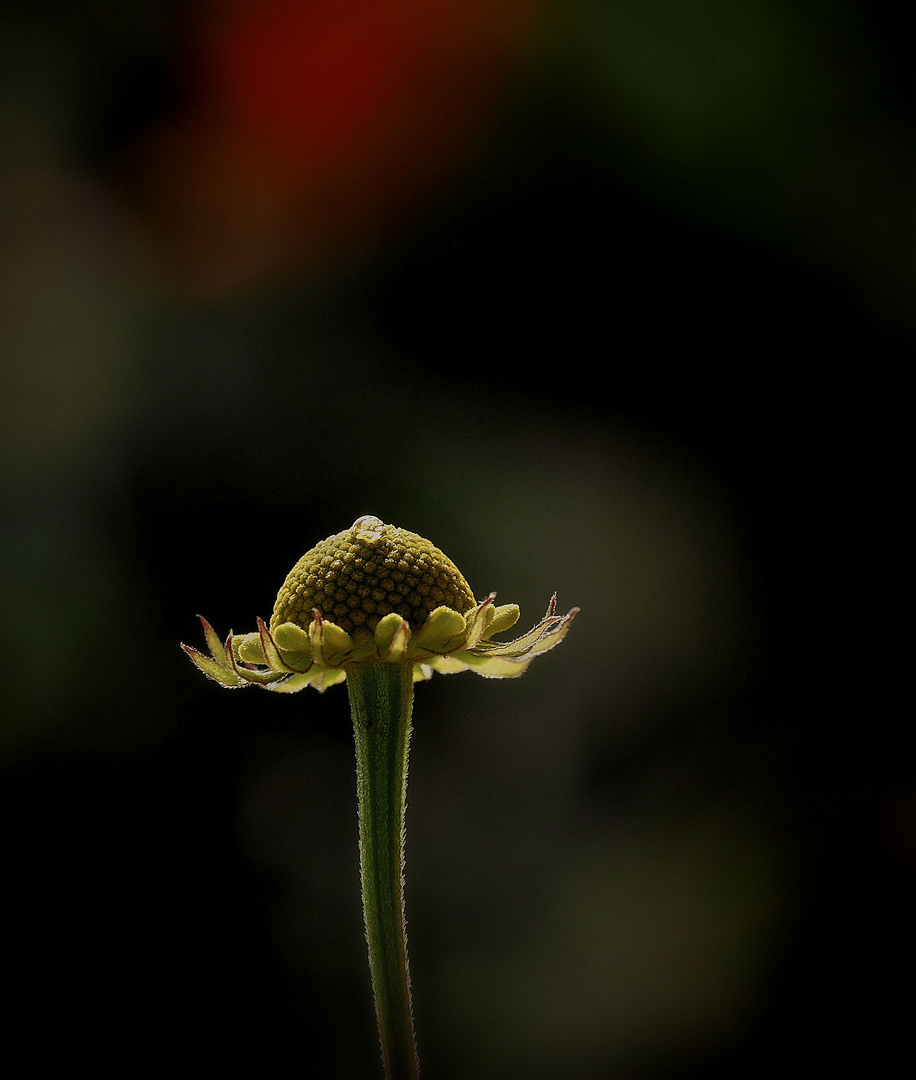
[{"x": 641, "y": 347}]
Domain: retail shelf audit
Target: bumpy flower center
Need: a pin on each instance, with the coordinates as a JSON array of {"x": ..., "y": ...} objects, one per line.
[{"x": 366, "y": 572}]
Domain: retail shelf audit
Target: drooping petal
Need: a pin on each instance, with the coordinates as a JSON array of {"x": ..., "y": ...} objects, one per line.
[
  {"x": 294, "y": 683},
  {"x": 548, "y": 633},
  {"x": 496, "y": 667},
  {"x": 447, "y": 665},
  {"x": 422, "y": 672},
  {"x": 325, "y": 677},
  {"x": 448, "y": 642}
]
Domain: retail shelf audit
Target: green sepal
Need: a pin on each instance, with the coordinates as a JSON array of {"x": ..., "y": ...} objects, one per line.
[
  {"x": 213, "y": 669},
  {"x": 214, "y": 644}
]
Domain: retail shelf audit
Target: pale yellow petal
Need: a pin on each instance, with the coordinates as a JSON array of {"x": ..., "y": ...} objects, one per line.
[{"x": 496, "y": 667}]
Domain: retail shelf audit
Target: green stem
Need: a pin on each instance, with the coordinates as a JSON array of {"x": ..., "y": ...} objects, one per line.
[{"x": 381, "y": 701}]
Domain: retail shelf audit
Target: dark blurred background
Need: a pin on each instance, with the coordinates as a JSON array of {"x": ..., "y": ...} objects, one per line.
[{"x": 604, "y": 297}]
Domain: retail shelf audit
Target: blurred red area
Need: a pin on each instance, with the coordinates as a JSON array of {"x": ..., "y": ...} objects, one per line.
[{"x": 307, "y": 125}]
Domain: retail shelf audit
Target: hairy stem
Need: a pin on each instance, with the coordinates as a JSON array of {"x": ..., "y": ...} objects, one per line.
[{"x": 381, "y": 701}]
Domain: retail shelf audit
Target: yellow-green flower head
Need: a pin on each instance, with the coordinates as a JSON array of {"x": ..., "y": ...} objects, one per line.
[
  {"x": 366, "y": 572},
  {"x": 375, "y": 594}
]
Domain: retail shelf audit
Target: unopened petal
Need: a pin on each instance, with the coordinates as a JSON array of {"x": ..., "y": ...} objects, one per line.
[
  {"x": 391, "y": 637},
  {"x": 503, "y": 617},
  {"x": 291, "y": 638},
  {"x": 271, "y": 653},
  {"x": 248, "y": 648},
  {"x": 444, "y": 630},
  {"x": 330, "y": 643}
]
